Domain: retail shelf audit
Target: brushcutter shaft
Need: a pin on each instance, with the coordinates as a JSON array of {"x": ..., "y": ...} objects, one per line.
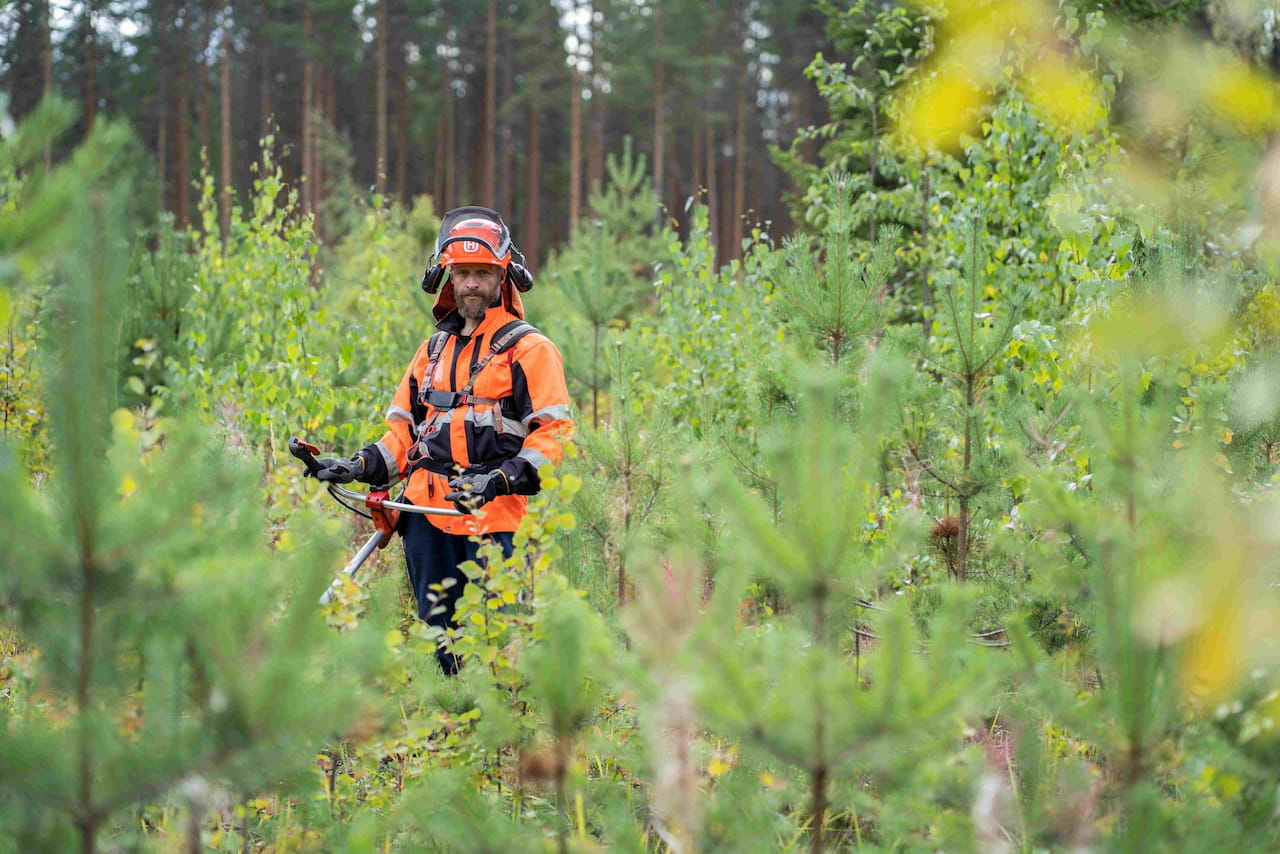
[{"x": 353, "y": 567}]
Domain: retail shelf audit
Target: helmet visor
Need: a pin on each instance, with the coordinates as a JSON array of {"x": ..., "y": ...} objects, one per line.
[{"x": 473, "y": 234}]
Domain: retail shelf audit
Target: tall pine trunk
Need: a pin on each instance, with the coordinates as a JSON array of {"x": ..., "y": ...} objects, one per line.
[
  {"x": 402, "y": 138},
  {"x": 47, "y": 60},
  {"x": 264, "y": 104},
  {"x": 506, "y": 159},
  {"x": 380, "y": 172},
  {"x": 713, "y": 200},
  {"x": 533, "y": 186},
  {"x": 91, "y": 67},
  {"x": 162, "y": 144},
  {"x": 659, "y": 110},
  {"x": 489, "y": 139},
  {"x": 224, "y": 69},
  {"x": 450, "y": 113},
  {"x": 595, "y": 142},
  {"x": 308, "y": 95},
  {"x": 437, "y": 162},
  {"x": 575, "y": 147},
  {"x": 738, "y": 211},
  {"x": 182, "y": 155},
  {"x": 202, "y": 106}
]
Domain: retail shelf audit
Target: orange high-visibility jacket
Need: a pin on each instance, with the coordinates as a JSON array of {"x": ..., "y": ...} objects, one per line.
[{"x": 518, "y": 421}]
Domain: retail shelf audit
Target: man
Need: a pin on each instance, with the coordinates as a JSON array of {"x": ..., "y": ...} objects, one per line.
[{"x": 481, "y": 408}]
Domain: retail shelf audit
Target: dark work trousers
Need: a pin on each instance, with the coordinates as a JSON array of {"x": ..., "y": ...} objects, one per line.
[{"x": 431, "y": 556}]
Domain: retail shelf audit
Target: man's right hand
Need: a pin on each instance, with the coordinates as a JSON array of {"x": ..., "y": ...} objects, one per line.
[{"x": 336, "y": 470}]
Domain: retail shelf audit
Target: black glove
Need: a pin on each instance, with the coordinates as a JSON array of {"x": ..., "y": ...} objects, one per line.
[
  {"x": 471, "y": 491},
  {"x": 337, "y": 470}
]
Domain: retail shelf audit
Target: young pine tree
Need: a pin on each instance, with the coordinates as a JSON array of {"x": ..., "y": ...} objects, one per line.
[
  {"x": 953, "y": 432},
  {"x": 834, "y": 301},
  {"x": 785, "y": 686},
  {"x": 175, "y": 654}
]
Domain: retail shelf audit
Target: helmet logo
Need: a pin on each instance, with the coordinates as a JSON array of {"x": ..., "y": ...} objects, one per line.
[{"x": 470, "y": 246}]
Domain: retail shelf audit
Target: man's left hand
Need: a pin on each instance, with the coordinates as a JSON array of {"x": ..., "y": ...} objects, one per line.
[{"x": 472, "y": 491}]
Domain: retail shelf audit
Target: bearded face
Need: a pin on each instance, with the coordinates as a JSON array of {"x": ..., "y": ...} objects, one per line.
[{"x": 476, "y": 288}]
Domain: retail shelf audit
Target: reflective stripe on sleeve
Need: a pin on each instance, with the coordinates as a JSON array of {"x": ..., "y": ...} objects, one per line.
[
  {"x": 537, "y": 459},
  {"x": 550, "y": 413},
  {"x": 393, "y": 468},
  {"x": 395, "y": 413}
]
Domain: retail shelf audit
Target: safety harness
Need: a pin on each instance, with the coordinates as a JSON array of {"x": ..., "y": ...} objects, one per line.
[{"x": 503, "y": 340}]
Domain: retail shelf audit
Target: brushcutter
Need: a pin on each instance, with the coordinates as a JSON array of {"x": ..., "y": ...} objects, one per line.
[{"x": 383, "y": 512}]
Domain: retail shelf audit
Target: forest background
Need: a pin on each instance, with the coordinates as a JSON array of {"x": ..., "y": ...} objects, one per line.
[{"x": 927, "y": 371}]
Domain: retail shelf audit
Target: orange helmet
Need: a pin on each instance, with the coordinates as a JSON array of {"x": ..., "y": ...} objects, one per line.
[{"x": 473, "y": 235}]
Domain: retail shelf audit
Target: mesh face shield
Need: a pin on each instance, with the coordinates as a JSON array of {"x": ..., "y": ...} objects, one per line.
[{"x": 473, "y": 235}]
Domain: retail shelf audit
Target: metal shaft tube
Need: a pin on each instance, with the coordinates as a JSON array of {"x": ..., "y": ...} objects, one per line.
[{"x": 356, "y": 562}]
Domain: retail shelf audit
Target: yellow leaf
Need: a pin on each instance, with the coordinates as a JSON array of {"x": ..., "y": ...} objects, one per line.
[
  {"x": 393, "y": 638},
  {"x": 1068, "y": 97},
  {"x": 124, "y": 425},
  {"x": 1244, "y": 97},
  {"x": 128, "y": 486},
  {"x": 942, "y": 110},
  {"x": 285, "y": 542},
  {"x": 1214, "y": 661}
]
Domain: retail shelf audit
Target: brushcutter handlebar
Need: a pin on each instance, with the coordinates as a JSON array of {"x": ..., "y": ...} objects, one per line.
[{"x": 376, "y": 500}]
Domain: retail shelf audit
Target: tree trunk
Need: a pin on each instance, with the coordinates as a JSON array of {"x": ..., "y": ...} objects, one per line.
[
  {"x": 202, "y": 107},
  {"x": 699, "y": 158},
  {"x": 659, "y": 110},
  {"x": 450, "y": 112},
  {"x": 437, "y": 162},
  {"x": 817, "y": 839},
  {"x": 575, "y": 148},
  {"x": 489, "y": 138},
  {"x": 380, "y": 172},
  {"x": 224, "y": 68},
  {"x": 47, "y": 60},
  {"x": 713, "y": 202},
  {"x": 308, "y": 84},
  {"x": 533, "y": 187},
  {"x": 162, "y": 143},
  {"x": 738, "y": 211},
  {"x": 182, "y": 155},
  {"x": 506, "y": 155},
  {"x": 316, "y": 175},
  {"x": 595, "y": 141},
  {"x": 402, "y": 139},
  {"x": 264, "y": 105},
  {"x": 91, "y": 68}
]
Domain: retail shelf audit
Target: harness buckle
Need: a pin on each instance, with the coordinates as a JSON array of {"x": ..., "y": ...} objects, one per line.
[{"x": 444, "y": 399}]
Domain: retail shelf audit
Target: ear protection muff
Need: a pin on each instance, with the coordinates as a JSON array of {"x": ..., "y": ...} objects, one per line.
[
  {"x": 433, "y": 278},
  {"x": 520, "y": 277},
  {"x": 519, "y": 274}
]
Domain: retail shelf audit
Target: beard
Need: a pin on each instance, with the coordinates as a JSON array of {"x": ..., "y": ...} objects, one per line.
[{"x": 474, "y": 306}]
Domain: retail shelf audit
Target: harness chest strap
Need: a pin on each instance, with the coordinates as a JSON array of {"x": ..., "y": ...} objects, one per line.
[{"x": 505, "y": 338}]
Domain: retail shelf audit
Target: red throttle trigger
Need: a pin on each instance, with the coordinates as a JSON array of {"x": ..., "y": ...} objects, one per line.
[
  {"x": 384, "y": 519},
  {"x": 306, "y": 452}
]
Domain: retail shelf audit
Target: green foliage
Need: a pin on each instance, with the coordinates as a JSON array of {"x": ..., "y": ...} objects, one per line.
[
  {"x": 947, "y": 526},
  {"x": 171, "y": 649},
  {"x": 836, "y": 300}
]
